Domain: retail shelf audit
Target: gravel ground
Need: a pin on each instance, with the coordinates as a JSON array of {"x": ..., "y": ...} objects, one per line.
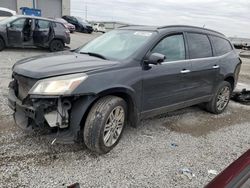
[{"x": 150, "y": 156}]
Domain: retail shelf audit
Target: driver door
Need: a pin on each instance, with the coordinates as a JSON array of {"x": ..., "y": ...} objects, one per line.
[
  {"x": 15, "y": 32},
  {"x": 167, "y": 84}
]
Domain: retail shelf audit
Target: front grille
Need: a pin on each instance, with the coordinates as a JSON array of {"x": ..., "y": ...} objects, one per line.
[{"x": 24, "y": 84}]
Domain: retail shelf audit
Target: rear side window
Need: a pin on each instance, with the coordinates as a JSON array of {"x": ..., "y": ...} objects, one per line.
[
  {"x": 221, "y": 46},
  {"x": 199, "y": 46},
  {"x": 58, "y": 25},
  {"x": 172, "y": 47},
  {"x": 42, "y": 24}
]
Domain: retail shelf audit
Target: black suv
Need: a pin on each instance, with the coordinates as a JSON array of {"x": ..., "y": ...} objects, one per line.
[
  {"x": 30, "y": 31},
  {"x": 121, "y": 77},
  {"x": 80, "y": 24}
]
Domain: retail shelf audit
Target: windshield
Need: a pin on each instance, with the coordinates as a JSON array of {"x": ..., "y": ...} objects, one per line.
[
  {"x": 117, "y": 44},
  {"x": 7, "y": 20}
]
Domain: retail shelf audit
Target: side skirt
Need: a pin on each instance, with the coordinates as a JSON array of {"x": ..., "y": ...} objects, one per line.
[{"x": 165, "y": 109}]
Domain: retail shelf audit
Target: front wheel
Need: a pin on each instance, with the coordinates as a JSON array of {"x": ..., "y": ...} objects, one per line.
[
  {"x": 220, "y": 99},
  {"x": 56, "y": 45},
  {"x": 104, "y": 124}
]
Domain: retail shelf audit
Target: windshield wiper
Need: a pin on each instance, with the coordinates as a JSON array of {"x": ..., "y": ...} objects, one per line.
[{"x": 94, "y": 54}]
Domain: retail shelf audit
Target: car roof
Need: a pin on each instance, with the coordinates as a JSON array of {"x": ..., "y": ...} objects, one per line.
[
  {"x": 172, "y": 27},
  {"x": 37, "y": 17}
]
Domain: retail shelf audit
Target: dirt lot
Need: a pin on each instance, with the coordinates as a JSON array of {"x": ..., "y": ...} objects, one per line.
[{"x": 150, "y": 156}]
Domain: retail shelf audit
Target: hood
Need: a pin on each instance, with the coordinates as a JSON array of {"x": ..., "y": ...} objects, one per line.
[{"x": 60, "y": 63}]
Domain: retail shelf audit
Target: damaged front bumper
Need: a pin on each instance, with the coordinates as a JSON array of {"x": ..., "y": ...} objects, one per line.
[
  {"x": 61, "y": 116},
  {"x": 53, "y": 112}
]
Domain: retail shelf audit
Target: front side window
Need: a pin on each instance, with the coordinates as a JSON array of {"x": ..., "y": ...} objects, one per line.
[
  {"x": 18, "y": 24},
  {"x": 221, "y": 46},
  {"x": 199, "y": 46},
  {"x": 117, "y": 44},
  {"x": 172, "y": 47}
]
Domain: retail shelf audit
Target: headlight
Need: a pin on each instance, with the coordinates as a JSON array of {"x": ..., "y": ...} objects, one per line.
[{"x": 58, "y": 85}]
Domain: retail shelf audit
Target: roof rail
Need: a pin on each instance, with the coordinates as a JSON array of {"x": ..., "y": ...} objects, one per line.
[
  {"x": 128, "y": 25},
  {"x": 196, "y": 27}
]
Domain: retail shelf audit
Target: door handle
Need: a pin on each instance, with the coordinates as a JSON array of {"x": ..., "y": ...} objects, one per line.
[
  {"x": 216, "y": 66},
  {"x": 185, "y": 71}
]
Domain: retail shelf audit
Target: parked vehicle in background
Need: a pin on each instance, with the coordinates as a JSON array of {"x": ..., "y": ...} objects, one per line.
[
  {"x": 80, "y": 24},
  {"x": 5, "y": 12},
  {"x": 70, "y": 26},
  {"x": 99, "y": 27},
  {"x": 121, "y": 77},
  {"x": 30, "y": 31},
  {"x": 236, "y": 175}
]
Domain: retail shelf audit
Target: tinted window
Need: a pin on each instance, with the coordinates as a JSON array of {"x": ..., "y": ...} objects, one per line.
[
  {"x": 172, "y": 47},
  {"x": 221, "y": 45},
  {"x": 199, "y": 46},
  {"x": 42, "y": 24}
]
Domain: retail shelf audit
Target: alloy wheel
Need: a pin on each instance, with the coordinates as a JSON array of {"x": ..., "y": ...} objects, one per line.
[
  {"x": 223, "y": 98},
  {"x": 113, "y": 126}
]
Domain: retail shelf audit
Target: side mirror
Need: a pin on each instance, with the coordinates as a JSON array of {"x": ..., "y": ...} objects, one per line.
[
  {"x": 156, "y": 58},
  {"x": 8, "y": 25}
]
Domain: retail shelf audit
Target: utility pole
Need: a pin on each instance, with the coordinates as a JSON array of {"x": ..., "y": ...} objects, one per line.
[
  {"x": 86, "y": 12},
  {"x": 34, "y": 3}
]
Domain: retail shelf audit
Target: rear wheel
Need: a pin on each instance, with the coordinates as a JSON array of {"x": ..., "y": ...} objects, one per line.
[
  {"x": 221, "y": 98},
  {"x": 56, "y": 45},
  {"x": 104, "y": 124},
  {"x": 2, "y": 44}
]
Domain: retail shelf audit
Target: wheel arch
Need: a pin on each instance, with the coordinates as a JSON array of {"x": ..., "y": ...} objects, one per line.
[
  {"x": 57, "y": 38},
  {"x": 127, "y": 95},
  {"x": 230, "y": 78}
]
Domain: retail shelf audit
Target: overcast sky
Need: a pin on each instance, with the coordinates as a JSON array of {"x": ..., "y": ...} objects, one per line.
[{"x": 228, "y": 16}]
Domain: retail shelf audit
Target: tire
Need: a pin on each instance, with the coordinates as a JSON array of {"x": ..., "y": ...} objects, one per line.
[
  {"x": 99, "y": 133},
  {"x": 2, "y": 44},
  {"x": 216, "y": 107},
  {"x": 56, "y": 45}
]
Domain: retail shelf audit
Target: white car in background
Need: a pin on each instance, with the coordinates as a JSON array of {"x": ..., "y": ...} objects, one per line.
[
  {"x": 5, "y": 12},
  {"x": 99, "y": 27}
]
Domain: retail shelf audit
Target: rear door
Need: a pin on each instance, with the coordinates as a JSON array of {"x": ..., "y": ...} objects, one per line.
[
  {"x": 167, "y": 83},
  {"x": 15, "y": 32},
  {"x": 205, "y": 67},
  {"x": 42, "y": 32}
]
